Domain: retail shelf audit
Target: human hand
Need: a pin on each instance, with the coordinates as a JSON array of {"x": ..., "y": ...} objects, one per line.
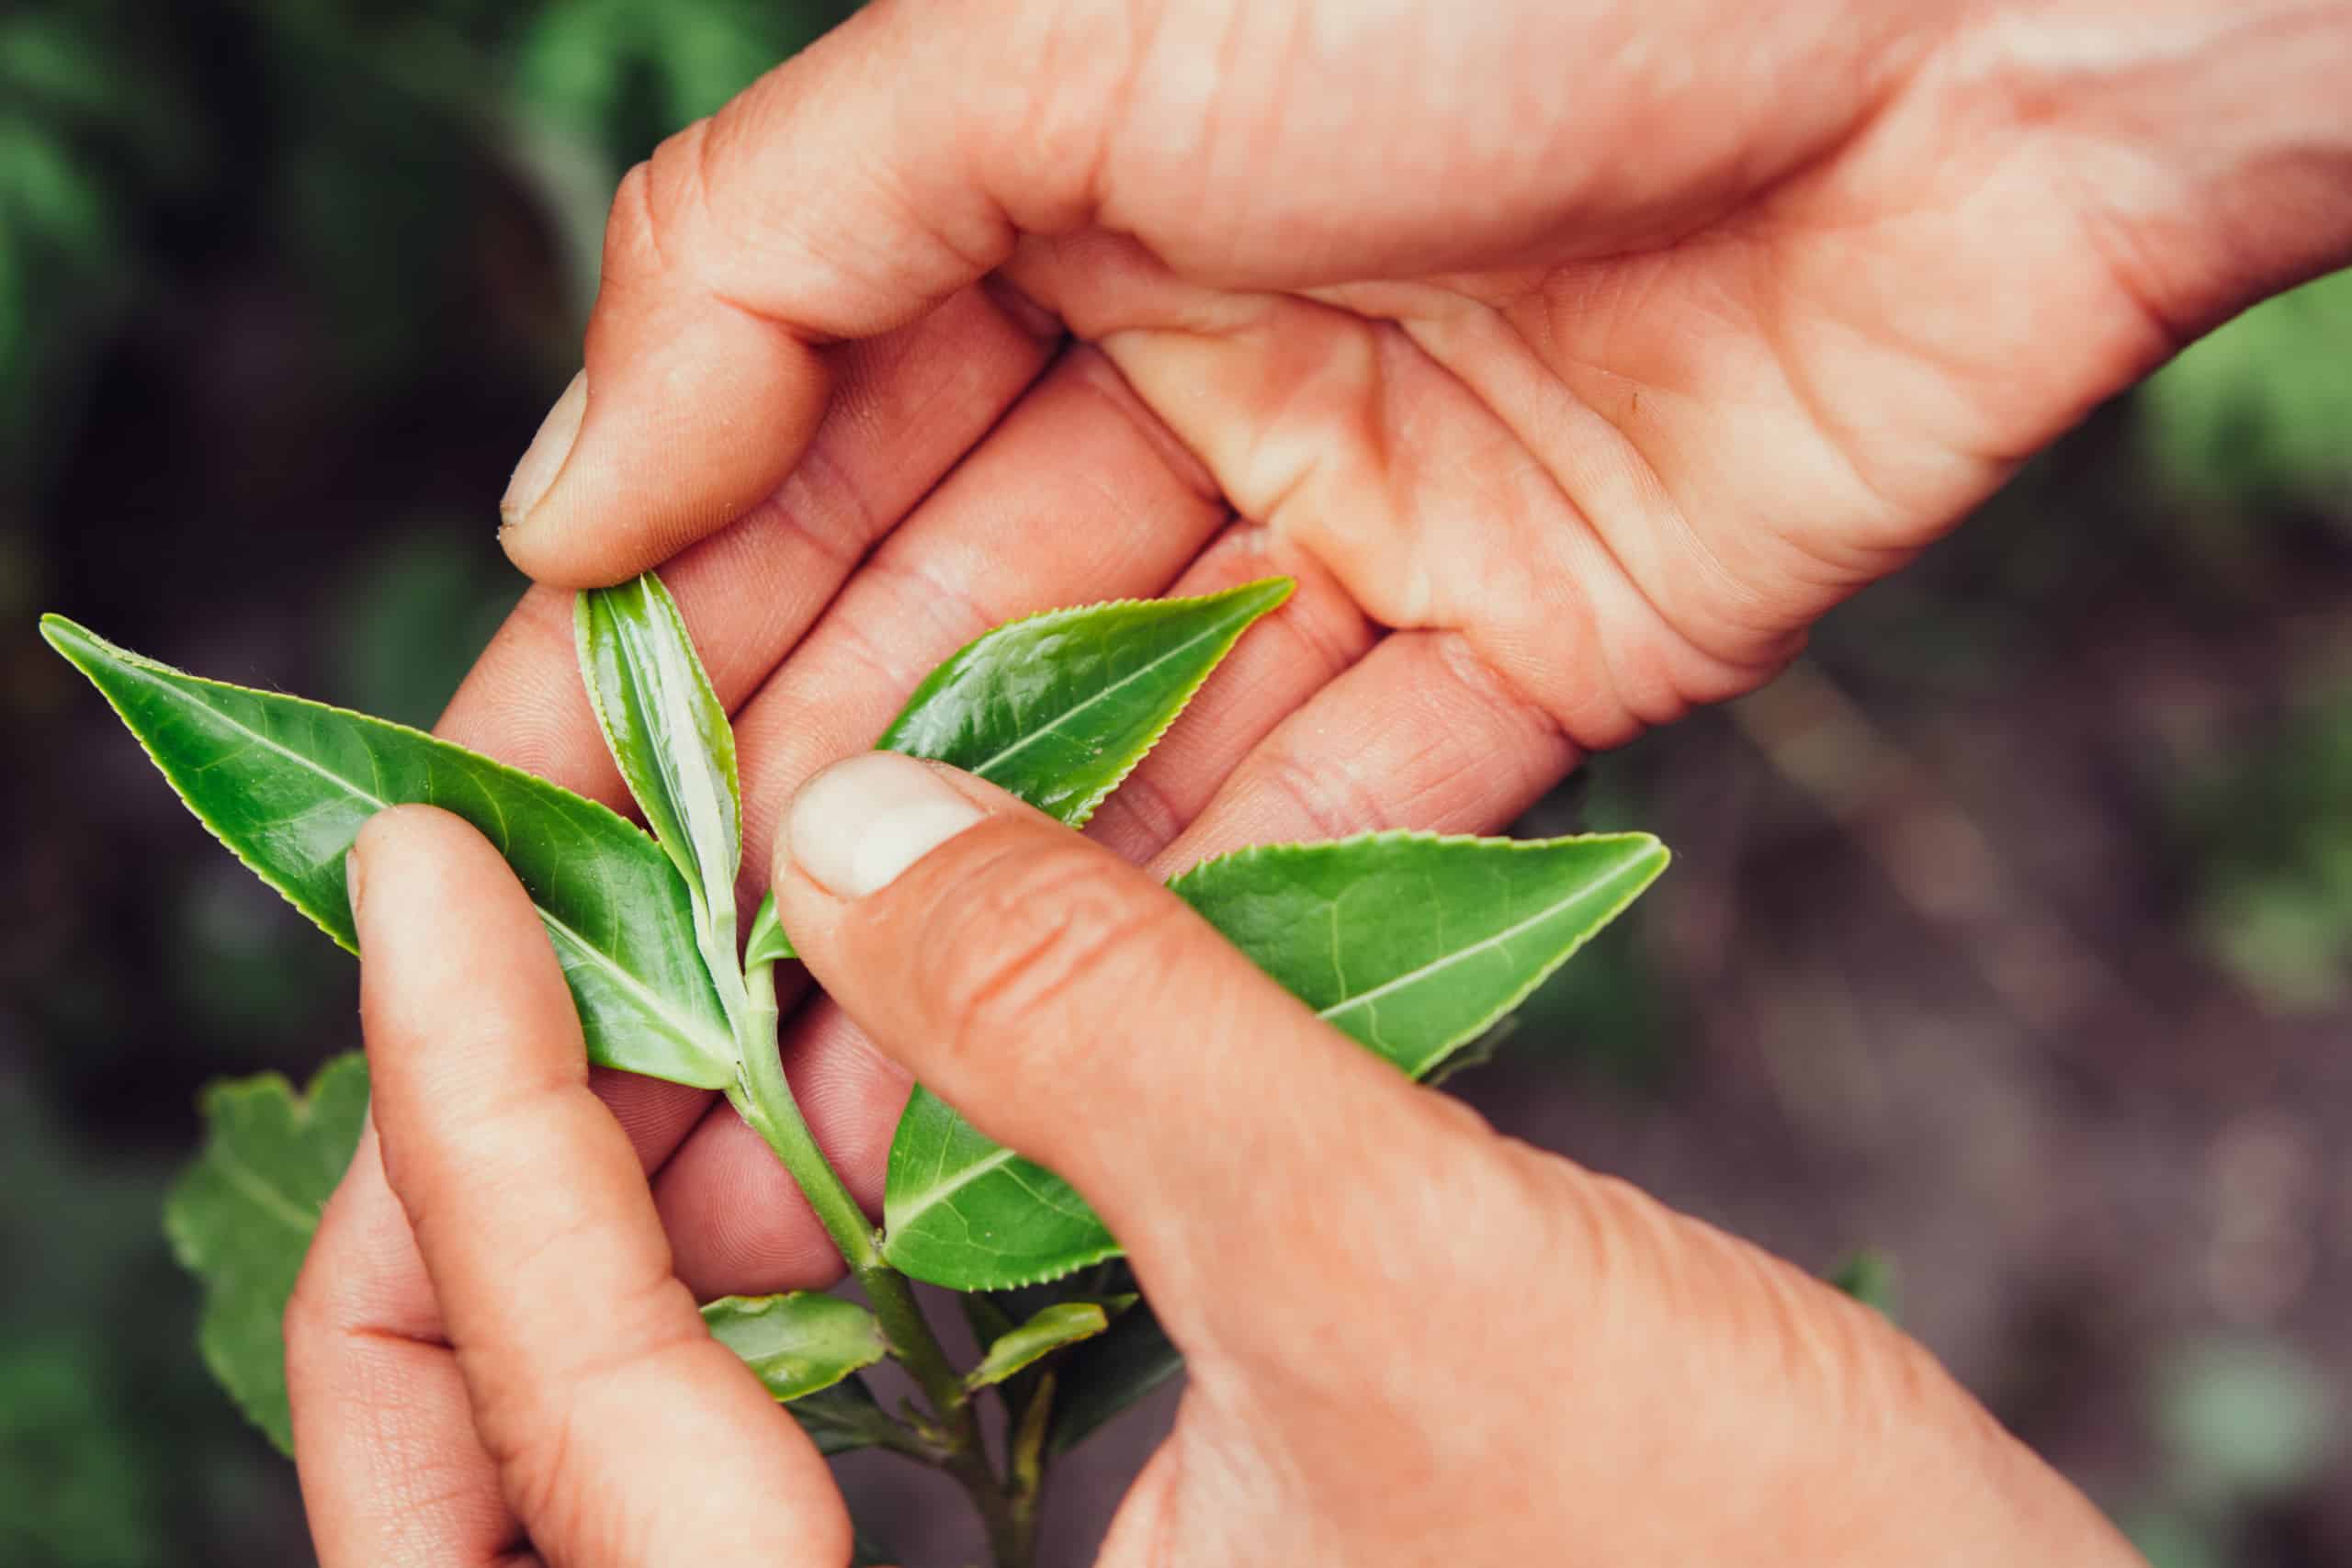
[
  {"x": 1466, "y": 1351},
  {"x": 1573, "y": 357},
  {"x": 488, "y": 1355},
  {"x": 1410, "y": 1340}
]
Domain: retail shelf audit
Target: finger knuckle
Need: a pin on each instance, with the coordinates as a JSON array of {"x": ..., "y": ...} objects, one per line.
[
  {"x": 658, "y": 203},
  {"x": 1015, "y": 974}
]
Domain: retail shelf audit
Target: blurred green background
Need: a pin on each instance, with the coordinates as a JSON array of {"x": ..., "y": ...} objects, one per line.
[{"x": 2012, "y": 932}]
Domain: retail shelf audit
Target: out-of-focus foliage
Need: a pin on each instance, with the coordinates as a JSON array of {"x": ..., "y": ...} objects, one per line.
[
  {"x": 284, "y": 285},
  {"x": 95, "y": 1465},
  {"x": 2261, "y": 411},
  {"x": 2269, "y": 833},
  {"x": 2253, "y": 422},
  {"x": 94, "y": 131},
  {"x": 351, "y": 134}
]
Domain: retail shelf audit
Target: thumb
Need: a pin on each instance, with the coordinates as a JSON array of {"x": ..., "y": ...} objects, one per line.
[
  {"x": 1079, "y": 1012},
  {"x": 843, "y": 194}
]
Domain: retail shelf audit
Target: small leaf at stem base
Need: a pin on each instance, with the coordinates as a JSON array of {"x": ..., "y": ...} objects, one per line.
[
  {"x": 1064, "y": 1322},
  {"x": 798, "y": 1342}
]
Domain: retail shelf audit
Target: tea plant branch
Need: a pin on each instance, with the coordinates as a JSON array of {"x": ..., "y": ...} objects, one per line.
[
  {"x": 763, "y": 1096},
  {"x": 1412, "y": 944}
]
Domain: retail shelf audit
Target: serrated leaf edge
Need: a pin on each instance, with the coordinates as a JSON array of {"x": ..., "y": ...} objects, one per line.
[
  {"x": 1277, "y": 590},
  {"x": 1013, "y": 1281},
  {"x": 1635, "y": 887},
  {"x": 54, "y": 626},
  {"x": 1255, "y": 852},
  {"x": 156, "y": 666}
]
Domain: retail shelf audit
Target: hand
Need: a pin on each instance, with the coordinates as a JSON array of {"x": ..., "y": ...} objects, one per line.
[
  {"x": 489, "y": 1359},
  {"x": 1410, "y": 1341},
  {"x": 1574, "y": 356}
]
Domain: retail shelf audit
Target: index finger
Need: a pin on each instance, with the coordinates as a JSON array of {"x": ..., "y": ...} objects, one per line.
[
  {"x": 623, "y": 1433},
  {"x": 846, "y": 193}
]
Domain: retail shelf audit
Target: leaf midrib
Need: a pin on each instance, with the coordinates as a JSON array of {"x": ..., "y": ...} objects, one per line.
[
  {"x": 933, "y": 1196},
  {"x": 939, "y": 1192},
  {"x": 256, "y": 1187},
  {"x": 653, "y": 1003},
  {"x": 1138, "y": 673},
  {"x": 1462, "y": 955}
]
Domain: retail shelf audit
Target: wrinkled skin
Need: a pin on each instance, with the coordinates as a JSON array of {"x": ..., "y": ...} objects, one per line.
[{"x": 1574, "y": 358}]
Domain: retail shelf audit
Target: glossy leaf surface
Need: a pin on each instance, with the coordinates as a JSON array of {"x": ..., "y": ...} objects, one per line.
[
  {"x": 242, "y": 1216},
  {"x": 1064, "y": 1322},
  {"x": 287, "y": 784},
  {"x": 797, "y": 1342},
  {"x": 962, "y": 1209},
  {"x": 1411, "y": 944},
  {"x": 1414, "y": 945},
  {"x": 668, "y": 733},
  {"x": 1056, "y": 709}
]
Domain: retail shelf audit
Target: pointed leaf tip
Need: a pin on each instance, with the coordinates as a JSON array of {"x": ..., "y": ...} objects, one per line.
[
  {"x": 669, "y": 735},
  {"x": 75, "y": 643},
  {"x": 1412, "y": 943},
  {"x": 1014, "y": 1351},
  {"x": 285, "y": 785},
  {"x": 1058, "y": 708}
]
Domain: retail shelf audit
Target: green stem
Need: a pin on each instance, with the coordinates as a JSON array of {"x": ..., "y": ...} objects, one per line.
[
  {"x": 1028, "y": 1459},
  {"x": 918, "y": 1349},
  {"x": 763, "y": 1098}
]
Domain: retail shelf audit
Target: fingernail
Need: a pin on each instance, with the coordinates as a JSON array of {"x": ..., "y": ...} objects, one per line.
[
  {"x": 543, "y": 458},
  {"x": 351, "y": 880},
  {"x": 855, "y": 827}
]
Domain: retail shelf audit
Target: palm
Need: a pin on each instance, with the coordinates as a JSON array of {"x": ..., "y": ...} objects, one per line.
[
  {"x": 1631, "y": 482},
  {"x": 1571, "y": 480}
]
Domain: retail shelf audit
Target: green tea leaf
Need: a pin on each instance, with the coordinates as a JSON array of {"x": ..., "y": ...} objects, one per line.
[
  {"x": 668, "y": 731},
  {"x": 287, "y": 783},
  {"x": 242, "y": 1214},
  {"x": 1064, "y": 1322},
  {"x": 766, "y": 942},
  {"x": 1058, "y": 708},
  {"x": 1411, "y": 944},
  {"x": 1414, "y": 945},
  {"x": 797, "y": 1342},
  {"x": 963, "y": 1210},
  {"x": 1107, "y": 1374}
]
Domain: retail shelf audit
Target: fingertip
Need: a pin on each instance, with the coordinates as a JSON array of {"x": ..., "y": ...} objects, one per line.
[
  {"x": 544, "y": 459},
  {"x": 452, "y": 951},
  {"x": 697, "y": 414},
  {"x": 855, "y": 827},
  {"x": 401, "y": 843}
]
